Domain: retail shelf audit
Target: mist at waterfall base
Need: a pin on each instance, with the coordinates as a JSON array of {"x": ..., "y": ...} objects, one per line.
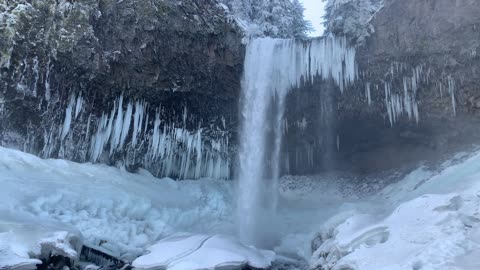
[{"x": 272, "y": 68}]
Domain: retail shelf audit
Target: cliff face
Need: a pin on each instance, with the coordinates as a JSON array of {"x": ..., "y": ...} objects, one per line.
[
  {"x": 141, "y": 83},
  {"x": 416, "y": 97},
  {"x": 424, "y": 53},
  {"x": 156, "y": 84}
]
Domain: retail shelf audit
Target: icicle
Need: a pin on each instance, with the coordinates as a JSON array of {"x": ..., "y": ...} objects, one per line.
[
  {"x": 49, "y": 143},
  {"x": 415, "y": 112},
  {"x": 137, "y": 121},
  {"x": 126, "y": 124},
  {"x": 146, "y": 126},
  {"x": 184, "y": 116},
  {"x": 414, "y": 81},
  {"x": 404, "y": 102},
  {"x": 68, "y": 119},
  {"x": 101, "y": 137},
  {"x": 367, "y": 93},
  {"x": 37, "y": 75},
  {"x": 47, "y": 81},
  {"x": 407, "y": 101},
  {"x": 117, "y": 128},
  {"x": 88, "y": 126},
  {"x": 451, "y": 91},
  {"x": 98, "y": 140},
  {"x": 338, "y": 142},
  {"x": 156, "y": 136},
  {"x": 172, "y": 151},
  {"x": 388, "y": 104},
  {"x": 109, "y": 128},
  {"x": 78, "y": 107},
  {"x": 198, "y": 150}
]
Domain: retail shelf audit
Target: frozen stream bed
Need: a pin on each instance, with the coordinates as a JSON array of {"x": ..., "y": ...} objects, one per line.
[{"x": 426, "y": 220}]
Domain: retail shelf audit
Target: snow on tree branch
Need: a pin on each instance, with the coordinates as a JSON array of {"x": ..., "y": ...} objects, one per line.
[
  {"x": 351, "y": 18},
  {"x": 274, "y": 18}
]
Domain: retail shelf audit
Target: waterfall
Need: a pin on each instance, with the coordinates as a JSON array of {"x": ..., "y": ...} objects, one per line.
[{"x": 272, "y": 67}]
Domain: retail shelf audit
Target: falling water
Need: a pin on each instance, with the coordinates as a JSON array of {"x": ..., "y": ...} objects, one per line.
[{"x": 273, "y": 67}]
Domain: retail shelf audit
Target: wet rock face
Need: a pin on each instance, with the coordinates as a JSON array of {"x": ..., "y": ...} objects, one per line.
[
  {"x": 417, "y": 94},
  {"x": 182, "y": 59}
]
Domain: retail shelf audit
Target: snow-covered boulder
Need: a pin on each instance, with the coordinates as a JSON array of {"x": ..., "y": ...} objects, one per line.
[
  {"x": 23, "y": 245},
  {"x": 203, "y": 252}
]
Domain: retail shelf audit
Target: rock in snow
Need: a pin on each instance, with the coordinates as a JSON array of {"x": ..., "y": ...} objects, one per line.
[
  {"x": 203, "y": 252},
  {"x": 23, "y": 246}
]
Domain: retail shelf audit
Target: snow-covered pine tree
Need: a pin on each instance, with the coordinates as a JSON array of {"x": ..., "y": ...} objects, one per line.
[
  {"x": 274, "y": 18},
  {"x": 351, "y": 18},
  {"x": 301, "y": 26}
]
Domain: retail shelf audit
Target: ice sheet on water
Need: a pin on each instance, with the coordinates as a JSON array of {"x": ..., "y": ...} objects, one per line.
[{"x": 202, "y": 252}]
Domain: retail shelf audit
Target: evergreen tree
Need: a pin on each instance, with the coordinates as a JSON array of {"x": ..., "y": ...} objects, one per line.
[
  {"x": 351, "y": 17},
  {"x": 275, "y": 18},
  {"x": 301, "y": 27}
]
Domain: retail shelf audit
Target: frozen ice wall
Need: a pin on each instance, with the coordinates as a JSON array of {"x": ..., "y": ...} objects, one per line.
[{"x": 273, "y": 67}]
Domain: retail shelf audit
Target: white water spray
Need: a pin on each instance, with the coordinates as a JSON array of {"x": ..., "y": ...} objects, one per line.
[{"x": 273, "y": 67}]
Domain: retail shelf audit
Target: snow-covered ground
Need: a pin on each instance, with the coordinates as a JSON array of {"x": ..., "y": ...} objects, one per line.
[
  {"x": 426, "y": 220},
  {"x": 125, "y": 212}
]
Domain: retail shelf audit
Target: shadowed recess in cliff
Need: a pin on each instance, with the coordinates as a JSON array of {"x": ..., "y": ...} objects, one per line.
[{"x": 273, "y": 67}]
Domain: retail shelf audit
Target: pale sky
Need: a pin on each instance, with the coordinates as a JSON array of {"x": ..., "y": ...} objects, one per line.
[{"x": 314, "y": 10}]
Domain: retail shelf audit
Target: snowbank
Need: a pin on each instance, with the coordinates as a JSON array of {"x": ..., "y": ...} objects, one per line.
[{"x": 426, "y": 221}]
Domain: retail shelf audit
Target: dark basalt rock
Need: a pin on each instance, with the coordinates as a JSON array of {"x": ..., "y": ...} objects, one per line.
[
  {"x": 102, "y": 259},
  {"x": 56, "y": 263}
]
